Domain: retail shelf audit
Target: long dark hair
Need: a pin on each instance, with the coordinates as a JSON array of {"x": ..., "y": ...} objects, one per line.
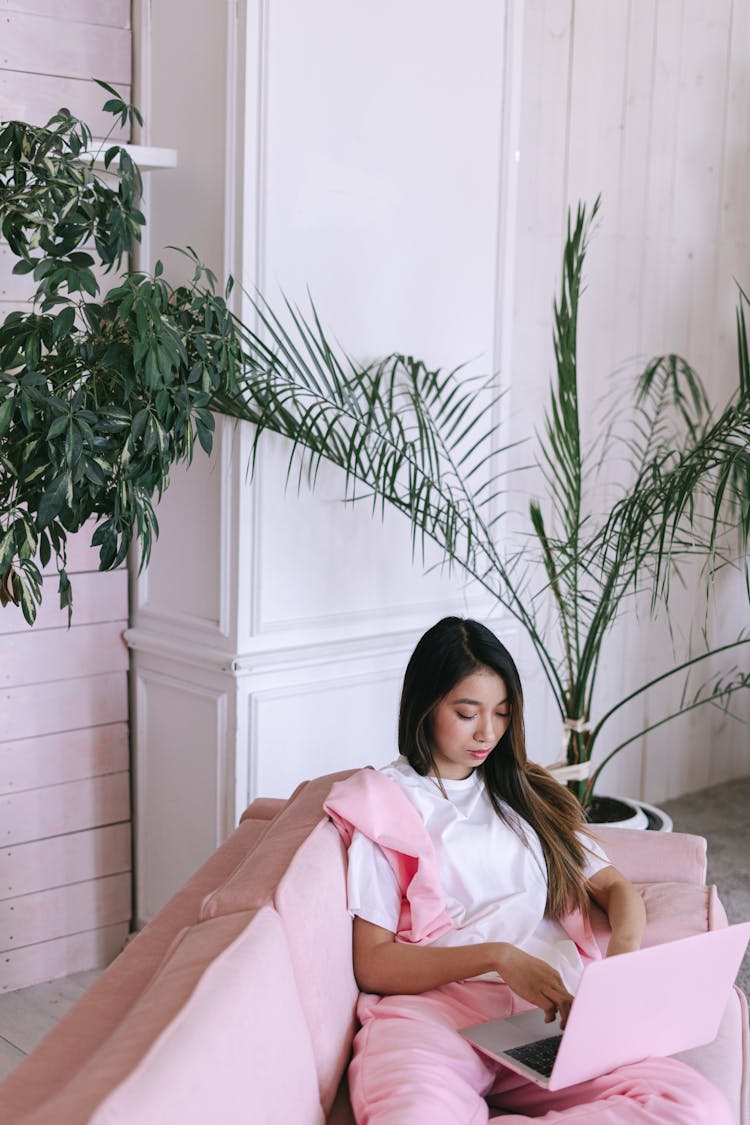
[{"x": 447, "y": 653}]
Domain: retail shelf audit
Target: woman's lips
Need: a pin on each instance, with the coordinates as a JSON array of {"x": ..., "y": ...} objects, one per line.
[{"x": 480, "y": 753}]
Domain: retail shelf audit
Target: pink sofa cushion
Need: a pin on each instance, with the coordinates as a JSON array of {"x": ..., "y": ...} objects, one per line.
[
  {"x": 311, "y": 900},
  {"x": 673, "y": 910},
  {"x": 254, "y": 880},
  {"x": 643, "y": 857},
  {"x": 182, "y": 1054}
]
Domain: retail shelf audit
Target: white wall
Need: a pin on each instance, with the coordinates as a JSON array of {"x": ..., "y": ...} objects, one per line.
[
  {"x": 412, "y": 164},
  {"x": 647, "y": 104},
  {"x": 271, "y": 631}
]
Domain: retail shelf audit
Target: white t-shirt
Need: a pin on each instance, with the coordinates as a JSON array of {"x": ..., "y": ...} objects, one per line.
[{"x": 495, "y": 886}]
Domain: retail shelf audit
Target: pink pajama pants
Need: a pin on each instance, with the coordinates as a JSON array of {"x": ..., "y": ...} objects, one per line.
[{"x": 411, "y": 1068}]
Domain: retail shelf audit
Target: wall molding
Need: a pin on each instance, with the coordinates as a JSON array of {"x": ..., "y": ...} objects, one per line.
[{"x": 289, "y": 652}]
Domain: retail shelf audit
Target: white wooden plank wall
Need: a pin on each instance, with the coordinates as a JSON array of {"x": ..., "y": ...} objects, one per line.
[
  {"x": 65, "y": 858},
  {"x": 65, "y": 863},
  {"x": 646, "y": 103},
  {"x": 49, "y": 53}
]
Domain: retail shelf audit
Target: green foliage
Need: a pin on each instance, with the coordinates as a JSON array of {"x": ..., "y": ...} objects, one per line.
[{"x": 100, "y": 394}]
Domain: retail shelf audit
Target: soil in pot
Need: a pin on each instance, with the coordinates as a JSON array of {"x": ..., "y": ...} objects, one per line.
[{"x": 610, "y": 810}]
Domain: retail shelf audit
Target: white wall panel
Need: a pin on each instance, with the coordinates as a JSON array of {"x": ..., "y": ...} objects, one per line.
[
  {"x": 65, "y": 884},
  {"x": 323, "y": 564},
  {"x": 87, "y": 649},
  {"x": 40, "y": 709},
  {"x": 46, "y": 45},
  {"x": 59, "y": 957},
  {"x": 29, "y": 763},
  {"x": 362, "y": 204},
  {"x": 98, "y": 596},
  {"x": 73, "y": 806},
  {"x": 71, "y": 858},
  {"x": 36, "y": 97},
  {"x": 64, "y": 910},
  {"x": 180, "y": 784},
  {"x": 189, "y": 595},
  {"x": 385, "y": 201},
  {"x": 109, "y": 13},
  {"x": 328, "y": 725}
]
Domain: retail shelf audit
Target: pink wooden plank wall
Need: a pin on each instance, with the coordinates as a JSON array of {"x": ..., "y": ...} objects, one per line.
[
  {"x": 65, "y": 851},
  {"x": 55, "y": 862}
]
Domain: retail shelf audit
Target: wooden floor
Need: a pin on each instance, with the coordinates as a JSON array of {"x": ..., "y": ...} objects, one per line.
[{"x": 29, "y": 1013}]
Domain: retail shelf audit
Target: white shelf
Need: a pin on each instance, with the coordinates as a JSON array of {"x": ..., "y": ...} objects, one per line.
[{"x": 147, "y": 157}]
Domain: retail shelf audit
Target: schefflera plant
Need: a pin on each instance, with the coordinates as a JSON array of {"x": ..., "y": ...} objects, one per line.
[{"x": 100, "y": 393}]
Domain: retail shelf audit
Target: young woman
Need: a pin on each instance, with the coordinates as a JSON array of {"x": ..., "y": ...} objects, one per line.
[{"x": 470, "y": 875}]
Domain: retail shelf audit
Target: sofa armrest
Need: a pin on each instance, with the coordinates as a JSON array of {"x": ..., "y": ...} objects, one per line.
[
  {"x": 654, "y": 857},
  {"x": 263, "y": 808}
]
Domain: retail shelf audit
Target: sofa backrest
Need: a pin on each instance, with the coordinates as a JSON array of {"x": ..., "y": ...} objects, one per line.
[
  {"x": 252, "y": 1004},
  {"x": 219, "y": 1028},
  {"x": 301, "y": 867}
]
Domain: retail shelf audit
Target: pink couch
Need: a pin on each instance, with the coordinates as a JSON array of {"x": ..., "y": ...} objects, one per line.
[{"x": 237, "y": 1000}]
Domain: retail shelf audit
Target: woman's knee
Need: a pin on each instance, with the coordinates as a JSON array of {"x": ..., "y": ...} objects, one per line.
[{"x": 406, "y": 1072}]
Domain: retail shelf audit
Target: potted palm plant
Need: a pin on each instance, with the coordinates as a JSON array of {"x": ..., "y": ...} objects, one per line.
[
  {"x": 423, "y": 442},
  {"x": 101, "y": 393}
]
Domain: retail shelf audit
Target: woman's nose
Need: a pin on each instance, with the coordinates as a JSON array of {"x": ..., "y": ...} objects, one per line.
[{"x": 483, "y": 732}]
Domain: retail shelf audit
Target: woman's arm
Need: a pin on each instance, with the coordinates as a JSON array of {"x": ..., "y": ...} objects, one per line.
[
  {"x": 624, "y": 908},
  {"x": 387, "y": 967}
]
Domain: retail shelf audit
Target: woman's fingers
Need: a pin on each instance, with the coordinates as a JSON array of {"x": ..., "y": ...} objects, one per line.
[
  {"x": 559, "y": 1003},
  {"x": 537, "y": 982}
]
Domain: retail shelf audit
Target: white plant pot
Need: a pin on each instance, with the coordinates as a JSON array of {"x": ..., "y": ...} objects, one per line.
[{"x": 643, "y": 816}]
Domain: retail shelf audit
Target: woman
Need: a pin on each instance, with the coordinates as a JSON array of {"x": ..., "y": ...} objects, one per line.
[{"x": 469, "y": 879}]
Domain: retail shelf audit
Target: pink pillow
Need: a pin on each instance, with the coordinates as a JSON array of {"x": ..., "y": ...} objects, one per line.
[
  {"x": 674, "y": 857},
  {"x": 673, "y": 910}
]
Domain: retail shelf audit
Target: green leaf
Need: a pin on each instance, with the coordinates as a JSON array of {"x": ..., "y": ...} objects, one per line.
[
  {"x": 28, "y": 605},
  {"x": 45, "y": 551},
  {"x": 58, "y": 427},
  {"x": 6, "y": 413},
  {"x": 53, "y": 500},
  {"x": 106, "y": 86},
  {"x": 63, "y": 322},
  {"x": 7, "y": 550}
]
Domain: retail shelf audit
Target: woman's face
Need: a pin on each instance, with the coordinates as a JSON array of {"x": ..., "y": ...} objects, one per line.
[{"x": 468, "y": 723}]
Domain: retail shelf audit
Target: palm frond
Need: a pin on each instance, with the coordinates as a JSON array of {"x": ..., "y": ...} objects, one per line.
[
  {"x": 414, "y": 438},
  {"x": 423, "y": 441}
]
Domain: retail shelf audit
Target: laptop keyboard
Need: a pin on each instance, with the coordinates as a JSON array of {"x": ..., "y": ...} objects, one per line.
[{"x": 540, "y": 1056}]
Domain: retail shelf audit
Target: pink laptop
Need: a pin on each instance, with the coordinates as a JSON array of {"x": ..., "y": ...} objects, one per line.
[{"x": 656, "y": 1001}]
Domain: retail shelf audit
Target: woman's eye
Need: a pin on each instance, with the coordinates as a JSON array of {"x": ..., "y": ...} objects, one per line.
[
  {"x": 465, "y": 717},
  {"x": 502, "y": 714}
]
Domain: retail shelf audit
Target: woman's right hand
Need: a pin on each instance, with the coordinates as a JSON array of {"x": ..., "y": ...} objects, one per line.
[{"x": 534, "y": 980}]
